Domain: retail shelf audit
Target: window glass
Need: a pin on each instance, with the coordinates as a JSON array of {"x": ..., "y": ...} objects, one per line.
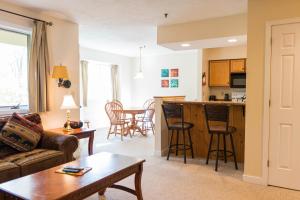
[{"x": 13, "y": 69}]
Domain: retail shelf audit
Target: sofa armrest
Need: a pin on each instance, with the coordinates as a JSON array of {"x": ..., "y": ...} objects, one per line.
[{"x": 65, "y": 143}]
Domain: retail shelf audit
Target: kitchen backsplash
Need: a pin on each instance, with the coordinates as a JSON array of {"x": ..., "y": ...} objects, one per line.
[{"x": 220, "y": 92}]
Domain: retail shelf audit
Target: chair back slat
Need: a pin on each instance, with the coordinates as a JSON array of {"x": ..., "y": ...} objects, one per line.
[
  {"x": 117, "y": 102},
  {"x": 173, "y": 112}
]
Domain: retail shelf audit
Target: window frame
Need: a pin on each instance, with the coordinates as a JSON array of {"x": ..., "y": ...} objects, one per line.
[{"x": 22, "y": 109}]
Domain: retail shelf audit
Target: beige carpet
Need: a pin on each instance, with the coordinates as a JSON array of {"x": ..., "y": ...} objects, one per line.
[{"x": 164, "y": 180}]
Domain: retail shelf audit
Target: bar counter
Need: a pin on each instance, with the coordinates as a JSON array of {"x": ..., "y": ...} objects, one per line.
[{"x": 194, "y": 113}]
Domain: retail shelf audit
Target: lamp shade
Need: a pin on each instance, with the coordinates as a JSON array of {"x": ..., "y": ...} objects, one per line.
[
  {"x": 60, "y": 72},
  {"x": 68, "y": 102}
]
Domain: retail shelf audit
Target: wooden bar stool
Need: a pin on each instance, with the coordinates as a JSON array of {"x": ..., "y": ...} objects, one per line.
[
  {"x": 175, "y": 122},
  {"x": 220, "y": 114}
]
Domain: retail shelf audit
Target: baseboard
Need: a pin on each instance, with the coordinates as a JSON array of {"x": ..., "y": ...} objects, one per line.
[{"x": 254, "y": 179}]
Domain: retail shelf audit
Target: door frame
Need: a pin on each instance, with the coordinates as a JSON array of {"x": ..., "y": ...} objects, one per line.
[{"x": 267, "y": 94}]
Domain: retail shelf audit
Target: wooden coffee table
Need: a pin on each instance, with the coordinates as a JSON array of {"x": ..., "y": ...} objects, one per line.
[
  {"x": 107, "y": 169},
  {"x": 80, "y": 133}
]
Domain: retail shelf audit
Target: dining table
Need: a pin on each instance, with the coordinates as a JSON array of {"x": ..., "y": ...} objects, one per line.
[{"x": 133, "y": 121}]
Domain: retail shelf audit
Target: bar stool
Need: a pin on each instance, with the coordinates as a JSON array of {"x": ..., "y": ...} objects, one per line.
[
  {"x": 219, "y": 113},
  {"x": 175, "y": 122}
]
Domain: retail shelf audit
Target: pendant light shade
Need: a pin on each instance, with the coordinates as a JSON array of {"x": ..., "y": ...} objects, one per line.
[{"x": 139, "y": 74}]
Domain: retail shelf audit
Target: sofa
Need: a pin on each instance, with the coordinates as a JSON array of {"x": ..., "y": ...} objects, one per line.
[{"x": 53, "y": 149}]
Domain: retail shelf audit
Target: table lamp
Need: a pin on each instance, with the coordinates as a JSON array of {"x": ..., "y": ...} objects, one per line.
[{"x": 68, "y": 104}]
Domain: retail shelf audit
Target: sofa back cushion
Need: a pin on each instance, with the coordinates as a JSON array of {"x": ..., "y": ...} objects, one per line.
[{"x": 20, "y": 133}]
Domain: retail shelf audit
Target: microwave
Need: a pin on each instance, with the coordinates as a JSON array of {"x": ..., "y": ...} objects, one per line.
[{"x": 238, "y": 80}]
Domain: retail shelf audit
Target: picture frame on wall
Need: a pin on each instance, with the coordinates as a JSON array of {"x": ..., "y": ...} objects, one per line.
[
  {"x": 174, "y": 72},
  {"x": 165, "y": 83},
  {"x": 164, "y": 73},
  {"x": 174, "y": 83}
]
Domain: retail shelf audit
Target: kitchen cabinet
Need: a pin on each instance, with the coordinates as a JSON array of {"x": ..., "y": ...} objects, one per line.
[
  {"x": 219, "y": 73},
  {"x": 238, "y": 66}
]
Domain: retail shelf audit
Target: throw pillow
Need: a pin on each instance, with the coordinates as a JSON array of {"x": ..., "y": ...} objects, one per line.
[{"x": 20, "y": 133}]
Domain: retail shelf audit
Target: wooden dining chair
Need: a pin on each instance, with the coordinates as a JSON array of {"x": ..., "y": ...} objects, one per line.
[
  {"x": 146, "y": 120},
  {"x": 118, "y": 121}
]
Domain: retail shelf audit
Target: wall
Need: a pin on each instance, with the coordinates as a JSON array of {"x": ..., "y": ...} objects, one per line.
[
  {"x": 216, "y": 54},
  {"x": 189, "y": 64},
  {"x": 63, "y": 48},
  {"x": 204, "y": 29},
  {"x": 125, "y": 69},
  {"x": 260, "y": 12}
]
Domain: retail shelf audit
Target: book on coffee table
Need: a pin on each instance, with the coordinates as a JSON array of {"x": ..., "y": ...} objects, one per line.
[{"x": 81, "y": 171}]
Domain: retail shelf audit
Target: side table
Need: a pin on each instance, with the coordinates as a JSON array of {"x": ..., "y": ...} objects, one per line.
[{"x": 80, "y": 133}]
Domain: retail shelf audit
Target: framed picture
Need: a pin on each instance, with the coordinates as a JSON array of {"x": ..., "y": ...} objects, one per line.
[
  {"x": 174, "y": 83},
  {"x": 164, "y": 83},
  {"x": 174, "y": 72},
  {"x": 164, "y": 73}
]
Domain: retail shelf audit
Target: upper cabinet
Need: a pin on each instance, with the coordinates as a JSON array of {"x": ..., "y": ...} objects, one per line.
[
  {"x": 220, "y": 70},
  {"x": 219, "y": 73},
  {"x": 238, "y": 66}
]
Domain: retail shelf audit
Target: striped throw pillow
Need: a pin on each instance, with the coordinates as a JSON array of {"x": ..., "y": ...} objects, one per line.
[{"x": 20, "y": 133}]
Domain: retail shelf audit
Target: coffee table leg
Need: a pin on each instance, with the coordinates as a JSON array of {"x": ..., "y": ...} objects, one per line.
[
  {"x": 91, "y": 143},
  {"x": 101, "y": 194},
  {"x": 138, "y": 183}
]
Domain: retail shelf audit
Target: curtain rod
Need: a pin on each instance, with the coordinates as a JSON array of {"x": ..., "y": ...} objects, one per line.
[{"x": 34, "y": 19}]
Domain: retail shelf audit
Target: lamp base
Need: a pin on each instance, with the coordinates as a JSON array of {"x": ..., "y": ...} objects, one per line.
[{"x": 68, "y": 128}]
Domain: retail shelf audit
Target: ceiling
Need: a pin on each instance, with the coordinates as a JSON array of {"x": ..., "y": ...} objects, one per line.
[{"x": 121, "y": 26}]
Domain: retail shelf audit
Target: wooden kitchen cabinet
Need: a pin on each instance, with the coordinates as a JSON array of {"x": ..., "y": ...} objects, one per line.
[
  {"x": 238, "y": 66},
  {"x": 219, "y": 73}
]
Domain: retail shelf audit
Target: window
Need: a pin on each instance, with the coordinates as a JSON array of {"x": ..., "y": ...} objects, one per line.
[
  {"x": 13, "y": 70},
  {"x": 99, "y": 92}
]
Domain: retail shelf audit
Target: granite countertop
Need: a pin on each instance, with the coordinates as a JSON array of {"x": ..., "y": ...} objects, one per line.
[{"x": 209, "y": 102}]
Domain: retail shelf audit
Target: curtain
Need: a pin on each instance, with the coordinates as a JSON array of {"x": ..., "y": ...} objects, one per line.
[
  {"x": 38, "y": 68},
  {"x": 115, "y": 82},
  {"x": 84, "y": 76}
]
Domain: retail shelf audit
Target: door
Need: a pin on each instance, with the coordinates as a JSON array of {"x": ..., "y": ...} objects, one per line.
[
  {"x": 238, "y": 66},
  {"x": 219, "y": 71},
  {"x": 284, "y": 141}
]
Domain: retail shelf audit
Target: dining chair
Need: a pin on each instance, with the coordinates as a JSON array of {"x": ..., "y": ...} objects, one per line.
[
  {"x": 219, "y": 114},
  {"x": 118, "y": 121},
  {"x": 146, "y": 120}
]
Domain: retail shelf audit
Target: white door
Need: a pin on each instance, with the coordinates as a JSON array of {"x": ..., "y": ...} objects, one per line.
[{"x": 284, "y": 144}]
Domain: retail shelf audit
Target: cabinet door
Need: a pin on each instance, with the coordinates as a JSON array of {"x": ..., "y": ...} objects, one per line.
[
  {"x": 219, "y": 72},
  {"x": 238, "y": 66}
]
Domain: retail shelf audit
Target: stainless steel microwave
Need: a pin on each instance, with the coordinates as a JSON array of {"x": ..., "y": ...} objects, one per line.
[{"x": 238, "y": 80}]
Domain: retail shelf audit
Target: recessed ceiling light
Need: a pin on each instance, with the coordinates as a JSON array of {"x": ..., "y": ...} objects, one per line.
[
  {"x": 232, "y": 40},
  {"x": 185, "y": 45}
]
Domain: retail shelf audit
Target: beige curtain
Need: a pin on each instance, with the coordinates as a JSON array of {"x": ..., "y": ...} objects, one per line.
[
  {"x": 115, "y": 82},
  {"x": 84, "y": 77},
  {"x": 38, "y": 68}
]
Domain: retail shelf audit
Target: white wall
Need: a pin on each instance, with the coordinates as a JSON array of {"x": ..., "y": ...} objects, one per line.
[
  {"x": 63, "y": 44},
  {"x": 125, "y": 69},
  {"x": 190, "y": 68}
]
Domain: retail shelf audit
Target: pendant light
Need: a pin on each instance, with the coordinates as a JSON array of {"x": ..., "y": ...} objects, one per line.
[{"x": 139, "y": 74}]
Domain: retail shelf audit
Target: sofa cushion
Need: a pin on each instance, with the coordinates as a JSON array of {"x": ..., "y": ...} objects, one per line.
[
  {"x": 36, "y": 160},
  {"x": 8, "y": 171},
  {"x": 21, "y": 133}
]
